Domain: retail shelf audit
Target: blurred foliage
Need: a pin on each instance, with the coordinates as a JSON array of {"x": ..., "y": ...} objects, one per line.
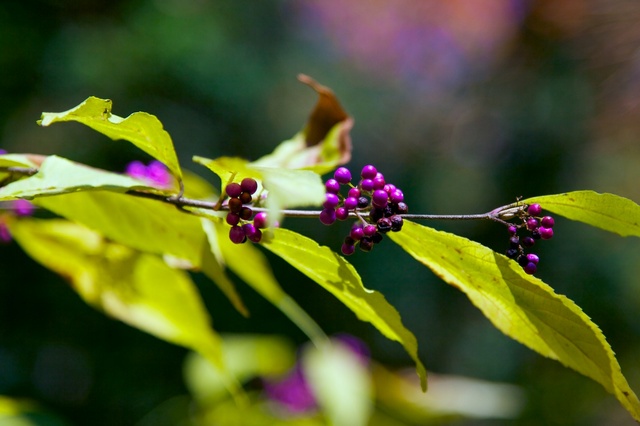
[{"x": 466, "y": 105}]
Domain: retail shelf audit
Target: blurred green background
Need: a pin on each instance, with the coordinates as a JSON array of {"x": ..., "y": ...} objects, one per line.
[{"x": 464, "y": 105}]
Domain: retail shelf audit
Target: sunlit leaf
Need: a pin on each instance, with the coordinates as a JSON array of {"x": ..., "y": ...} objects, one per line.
[
  {"x": 136, "y": 288},
  {"x": 147, "y": 225},
  {"x": 58, "y": 175},
  {"x": 248, "y": 263},
  {"x": 286, "y": 187},
  {"x": 340, "y": 278},
  {"x": 141, "y": 129},
  {"x": 521, "y": 306},
  {"x": 606, "y": 211}
]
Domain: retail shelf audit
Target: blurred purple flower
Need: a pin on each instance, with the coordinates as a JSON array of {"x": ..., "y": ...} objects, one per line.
[
  {"x": 155, "y": 173},
  {"x": 3, "y": 151},
  {"x": 23, "y": 207},
  {"x": 292, "y": 391},
  {"x": 5, "y": 236}
]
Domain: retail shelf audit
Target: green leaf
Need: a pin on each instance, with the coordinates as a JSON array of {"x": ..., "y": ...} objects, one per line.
[
  {"x": 521, "y": 306},
  {"x": 141, "y": 129},
  {"x": 340, "y": 278},
  {"x": 606, "y": 211},
  {"x": 260, "y": 277},
  {"x": 146, "y": 225},
  {"x": 286, "y": 187},
  {"x": 58, "y": 175},
  {"x": 19, "y": 160},
  {"x": 136, "y": 288}
]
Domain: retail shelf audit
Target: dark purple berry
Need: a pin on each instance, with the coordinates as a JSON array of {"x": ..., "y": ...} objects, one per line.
[
  {"x": 527, "y": 242},
  {"x": 246, "y": 198},
  {"x": 328, "y": 216},
  {"x": 260, "y": 220},
  {"x": 236, "y": 235},
  {"x": 514, "y": 242},
  {"x": 354, "y": 192},
  {"x": 349, "y": 241},
  {"x": 256, "y": 236},
  {"x": 370, "y": 230},
  {"x": 387, "y": 211},
  {"x": 342, "y": 213},
  {"x": 235, "y": 205},
  {"x": 396, "y": 222},
  {"x": 546, "y": 233},
  {"x": 530, "y": 268},
  {"x": 522, "y": 260},
  {"x": 369, "y": 172},
  {"x": 532, "y": 224},
  {"x": 512, "y": 230},
  {"x": 512, "y": 253},
  {"x": 384, "y": 225},
  {"x": 366, "y": 244},
  {"x": 348, "y": 249},
  {"x": 332, "y": 186},
  {"x": 331, "y": 201},
  {"x": 245, "y": 213},
  {"x": 376, "y": 214},
  {"x": 363, "y": 202},
  {"x": 377, "y": 237},
  {"x": 547, "y": 222},
  {"x": 366, "y": 185},
  {"x": 536, "y": 234},
  {"x": 380, "y": 198},
  {"x": 350, "y": 203},
  {"x": 534, "y": 209},
  {"x": 533, "y": 258},
  {"x": 249, "y": 229},
  {"x": 249, "y": 185},
  {"x": 233, "y": 218},
  {"x": 401, "y": 208},
  {"x": 342, "y": 175},
  {"x": 233, "y": 190},
  {"x": 396, "y": 196}
]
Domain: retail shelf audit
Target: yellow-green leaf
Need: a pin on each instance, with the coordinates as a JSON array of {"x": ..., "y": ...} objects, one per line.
[
  {"x": 521, "y": 306},
  {"x": 606, "y": 211},
  {"x": 340, "y": 278},
  {"x": 141, "y": 129},
  {"x": 58, "y": 175},
  {"x": 136, "y": 288},
  {"x": 146, "y": 225}
]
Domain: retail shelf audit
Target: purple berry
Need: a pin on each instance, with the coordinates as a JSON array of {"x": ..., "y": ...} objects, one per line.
[
  {"x": 532, "y": 224},
  {"x": 547, "y": 222},
  {"x": 366, "y": 244},
  {"x": 366, "y": 185},
  {"x": 249, "y": 229},
  {"x": 378, "y": 181},
  {"x": 256, "y": 236},
  {"x": 350, "y": 203},
  {"x": 237, "y": 235},
  {"x": 396, "y": 222},
  {"x": 354, "y": 192},
  {"x": 530, "y": 268},
  {"x": 384, "y": 225},
  {"x": 328, "y": 216},
  {"x": 527, "y": 242},
  {"x": 332, "y": 186},
  {"x": 401, "y": 208},
  {"x": 357, "y": 233},
  {"x": 369, "y": 230},
  {"x": 514, "y": 242},
  {"x": 377, "y": 237},
  {"x": 380, "y": 198},
  {"x": 376, "y": 214},
  {"x": 331, "y": 201},
  {"x": 533, "y": 258},
  {"x": 512, "y": 230},
  {"x": 246, "y": 198},
  {"x": 534, "y": 209},
  {"x": 233, "y": 218},
  {"x": 342, "y": 213},
  {"x": 245, "y": 213},
  {"x": 512, "y": 253},
  {"x": 363, "y": 202},
  {"x": 342, "y": 175},
  {"x": 389, "y": 187},
  {"x": 348, "y": 249},
  {"x": 233, "y": 190},
  {"x": 260, "y": 220},
  {"x": 396, "y": 196},
  {"x": 546, "y": 233},
  {"x": 369, "y": 172},
  {"x": 249, "y": 185},
  {"x": 235, "y": 205}
]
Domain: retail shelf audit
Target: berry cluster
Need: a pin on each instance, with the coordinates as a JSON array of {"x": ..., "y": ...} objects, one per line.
[
  {"x": 539, "y": 228},
  {"x": 240, "y": 214},
  {"x": 377, "y": 204}
]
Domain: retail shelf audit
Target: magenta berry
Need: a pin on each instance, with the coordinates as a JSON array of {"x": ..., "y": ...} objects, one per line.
[
  {"x": 249, "y": 185},
  {"x": 260, "y": 220},
  {"x": 342, "y": 175},
  {"x": 233, "y": 218},
  {"x": 233, "y": 190},
  {"x": 369, "y": 230},
  {"x": 354, "y": 192},
  {"x": 534, "y": 209},
  {"x": 350, "y": 203},
  {"x": 512, "y": 230},
  {"x": 366, "y": 185},
  {"x": 379, "y": 182},
  {"x": 396, "y": 196},
  {"x": 331, "y": 201},
  {"x": 237, "y": 235},
  {"x": 530, "y": 268},
  {"x": 545, "y": 233},
  {"x": 533, "y": 258},
  {"x": 547, "y": 222},
  {"x": 347, "y": 249},
  {"x": 380, "y": 198},
  {"x": 369, "y": 172},
  {"x": 532, "y": 224},
  {"x": 342, "y": 213},
  {"x": 256, "y": 236},
  {"x": 389, "y": 187},
  {"x": 357, "y": 233},
  {"x": 249, "y": 229},
  {"x": 332, "y": 186},
  {"x": 328, "y": 216}
]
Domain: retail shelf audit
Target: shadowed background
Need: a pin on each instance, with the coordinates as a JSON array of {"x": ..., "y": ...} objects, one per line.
[{"x": 464, "y": 105}]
